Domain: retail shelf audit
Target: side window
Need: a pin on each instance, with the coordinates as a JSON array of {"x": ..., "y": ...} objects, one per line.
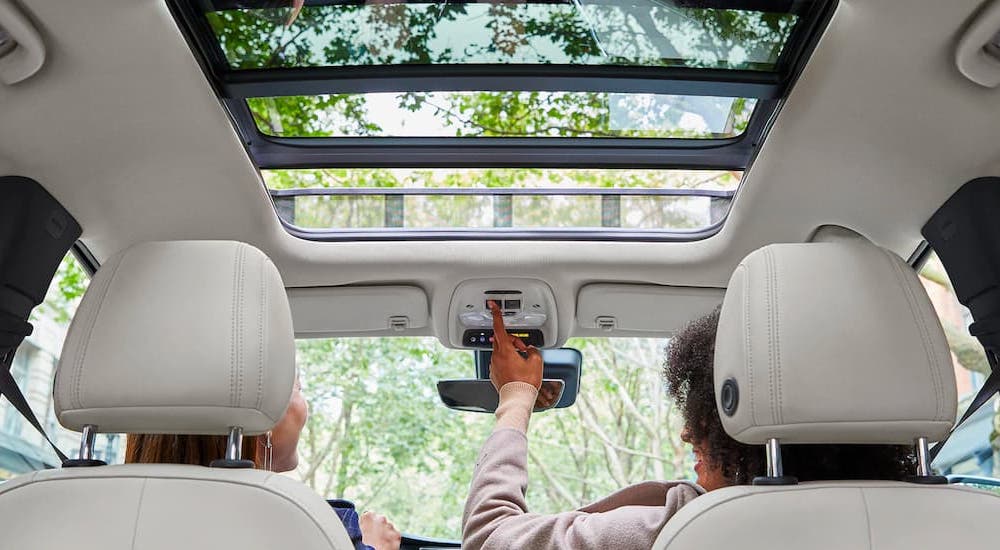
[
  {"x": 23, "y": 449},
  {"x": 974, "y": 449}
]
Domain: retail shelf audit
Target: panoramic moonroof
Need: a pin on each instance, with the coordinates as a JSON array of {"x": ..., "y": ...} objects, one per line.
[
  {"x": 589, "y": 119},
  {"x": 582, "y": 32},
  {"x": 502, "y": 114},
  {"x": 684, "y": 201}
]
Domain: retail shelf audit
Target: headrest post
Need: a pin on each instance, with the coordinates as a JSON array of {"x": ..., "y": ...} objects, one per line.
[
  {"x": 234, "y": 447},
  {"x": 775, "y": 474},
  {"x": 774, "y": 468},
  {"x": 87, "y": 442},
  {"x": 923, "y": 457},
  {"x": 924, "y": 474}
]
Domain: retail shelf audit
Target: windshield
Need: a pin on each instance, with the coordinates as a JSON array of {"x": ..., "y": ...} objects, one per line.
[{"x": 378, "y": 435}]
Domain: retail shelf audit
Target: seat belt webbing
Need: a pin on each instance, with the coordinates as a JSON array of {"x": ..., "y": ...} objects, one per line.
[
  {"x": 9, "y": 389},
  {"x": 990, "y": 387}
]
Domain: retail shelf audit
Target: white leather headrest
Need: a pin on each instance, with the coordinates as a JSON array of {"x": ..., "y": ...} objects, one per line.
[
  {"x": 184, "y": 337},
  {"x": 831, "y": 343}
]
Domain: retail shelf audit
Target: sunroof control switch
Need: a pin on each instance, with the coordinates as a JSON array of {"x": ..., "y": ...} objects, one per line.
[{"x": 527, "y": 305}]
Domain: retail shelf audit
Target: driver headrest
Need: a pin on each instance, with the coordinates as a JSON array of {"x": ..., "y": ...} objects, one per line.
[
  {"x": 831, "y": 343},
  {"x": 182, "y": 337}
]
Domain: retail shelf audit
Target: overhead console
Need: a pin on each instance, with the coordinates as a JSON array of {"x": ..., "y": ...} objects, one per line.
[{"x": 529, "y": 312}]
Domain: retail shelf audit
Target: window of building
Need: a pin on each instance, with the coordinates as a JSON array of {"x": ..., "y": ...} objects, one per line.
[
  {"x": 22, "y": 449},
  {"x": 973, "y": 448}
]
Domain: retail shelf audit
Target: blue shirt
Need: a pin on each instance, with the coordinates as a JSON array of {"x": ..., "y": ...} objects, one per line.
[{"x": 349, "y": 517}]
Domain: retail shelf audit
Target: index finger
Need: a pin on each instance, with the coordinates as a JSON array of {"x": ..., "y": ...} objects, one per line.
[{"x": 500, "y": 336}]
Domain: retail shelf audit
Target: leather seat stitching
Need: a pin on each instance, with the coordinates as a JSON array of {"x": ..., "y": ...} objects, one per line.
[
  {"x": 770, "y": 334},
  {"x": 868, "y": 518},
  {"x": 748, "y": 493},
  {"x": 138, "y": 512},
  {"x": 921, "y": 326},
  {"x": 263, "y": 485},
  {"x": 91, "y": 323},
  {"x": 746, "y": 330},
  {"x": 241, "y": 364},
  {"x": 926, "y": 322},
  {"x": 777, "y": 340},
  {"x": 261, "y": 319},
  {"x": 232, "y": 331}
]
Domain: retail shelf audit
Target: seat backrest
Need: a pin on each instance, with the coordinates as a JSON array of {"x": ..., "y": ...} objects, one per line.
[
  {"x": 835, "y": 516},
  {"x": 189, "y": 337},
  {"x": 832, "y": 343}
]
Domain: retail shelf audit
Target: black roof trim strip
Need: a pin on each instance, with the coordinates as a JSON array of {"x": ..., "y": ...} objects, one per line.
[
  {"x": 502, "y": 78},
  {"x": 784, "y": 6},
  {"x": 500, "y": 234},
  {"x": 723, "y": 154},
  {"x": 491, "y": 191}
]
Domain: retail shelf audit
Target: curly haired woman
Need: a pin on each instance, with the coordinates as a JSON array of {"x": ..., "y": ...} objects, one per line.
[{"x": 496, "y": 513}]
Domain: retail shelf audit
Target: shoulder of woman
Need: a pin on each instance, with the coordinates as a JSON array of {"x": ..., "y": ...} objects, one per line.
[
  {"x": 681, "y": 493},
  {"x": 647, "y": 493}
]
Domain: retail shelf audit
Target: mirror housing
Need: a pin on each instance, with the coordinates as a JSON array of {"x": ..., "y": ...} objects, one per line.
[
  {"x": 561, "y": 363},
  {"x": 562, "y": 366},
  {"x": 475, "y": 395}
]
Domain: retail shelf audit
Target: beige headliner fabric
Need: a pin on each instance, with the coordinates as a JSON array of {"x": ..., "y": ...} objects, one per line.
[
  {"x": 187, "y": 337},
  {"x": 832, "y": 343},
  {"x": 122, "y": 127}
]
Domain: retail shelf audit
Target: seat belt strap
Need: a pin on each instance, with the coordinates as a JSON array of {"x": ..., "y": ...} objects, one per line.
[
  {"x": 990, "y": 388},
  {"x": 9, "y": 389}
]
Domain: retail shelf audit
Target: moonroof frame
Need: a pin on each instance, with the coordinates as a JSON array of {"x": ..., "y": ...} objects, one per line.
[{"x": 234, "y": 86}]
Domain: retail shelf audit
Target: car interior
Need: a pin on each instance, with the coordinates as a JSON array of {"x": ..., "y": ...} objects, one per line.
[{"x": 206, "y": 203}]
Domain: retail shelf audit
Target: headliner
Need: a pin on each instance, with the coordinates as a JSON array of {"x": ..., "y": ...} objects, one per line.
[{"x": 121, "y": 126}]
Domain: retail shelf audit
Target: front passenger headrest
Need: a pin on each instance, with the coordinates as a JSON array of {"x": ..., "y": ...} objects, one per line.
[
  {"x": 831, "y": 343},
  {"x": 182, "y": 337}
]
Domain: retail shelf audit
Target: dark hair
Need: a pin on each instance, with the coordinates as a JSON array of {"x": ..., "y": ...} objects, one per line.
[
  {"x": 688, "y": 372},
  {"x": 199, "y": 450}
]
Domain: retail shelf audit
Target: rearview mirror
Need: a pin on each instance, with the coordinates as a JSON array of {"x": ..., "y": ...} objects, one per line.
[
  {"x": 560, "y": 381},
  {"x": 564, "y": 364},
  {"x": 474, "y": 395}
]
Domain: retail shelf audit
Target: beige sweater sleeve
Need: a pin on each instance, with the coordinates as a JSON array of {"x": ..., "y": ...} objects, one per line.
[{"x": 496, "y": 514}]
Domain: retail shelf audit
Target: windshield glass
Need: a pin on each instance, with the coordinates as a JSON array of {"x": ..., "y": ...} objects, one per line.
[
  {"x": 378, "y": 434},
  {"x": 267, "y": 34}
]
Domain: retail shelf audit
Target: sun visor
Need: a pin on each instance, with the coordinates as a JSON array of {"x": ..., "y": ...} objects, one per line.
[
  {"x": 358, "y": 311},
  {"x": 625, "y": 309}
]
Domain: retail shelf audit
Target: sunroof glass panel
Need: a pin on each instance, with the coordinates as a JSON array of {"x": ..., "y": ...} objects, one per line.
[
  {"x": 503, "y": 114},
  {"x": 657, "y": 33},
  {"x": 331, "y": 200}
]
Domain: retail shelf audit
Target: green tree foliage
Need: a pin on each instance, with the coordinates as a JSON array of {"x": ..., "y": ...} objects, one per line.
[
  {"x": 378, "y": 434},
  {"x": 64, "y": 292},
  {"x": 966, "y": 349},
  {"x": 638, "y": 33},
  {"x": 323, "y": 212}
]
